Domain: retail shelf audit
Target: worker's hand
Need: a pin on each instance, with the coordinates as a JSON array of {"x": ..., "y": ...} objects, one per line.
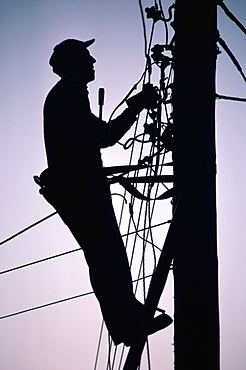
[
  {"x": 147, "y": 98},
  {"x": 150, "y": 96}
]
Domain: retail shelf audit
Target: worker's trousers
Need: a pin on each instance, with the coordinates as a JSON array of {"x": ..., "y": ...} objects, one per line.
[{"x": 88, "y": 212}]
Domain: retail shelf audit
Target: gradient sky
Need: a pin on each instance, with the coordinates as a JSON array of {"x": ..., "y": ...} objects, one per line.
[{"x": 65, "y": 336}]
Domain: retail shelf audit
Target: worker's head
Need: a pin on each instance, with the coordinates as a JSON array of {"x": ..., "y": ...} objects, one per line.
[{"x": 72, "y": 58}]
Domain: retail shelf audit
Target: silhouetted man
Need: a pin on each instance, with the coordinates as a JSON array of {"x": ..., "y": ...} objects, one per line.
[{"x": 76, "y": 186}]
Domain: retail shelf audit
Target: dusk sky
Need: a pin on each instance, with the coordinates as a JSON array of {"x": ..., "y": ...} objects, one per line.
[{"x": 65, "y": 336}]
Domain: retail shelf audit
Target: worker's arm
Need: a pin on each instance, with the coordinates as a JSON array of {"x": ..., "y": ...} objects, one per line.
[{"x": 120, "y": 125}]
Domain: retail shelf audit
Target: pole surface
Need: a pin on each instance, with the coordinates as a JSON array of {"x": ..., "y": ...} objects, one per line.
[{"x": 196, "y": 320}]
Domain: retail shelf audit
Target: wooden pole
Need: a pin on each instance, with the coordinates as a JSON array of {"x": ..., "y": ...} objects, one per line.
[{"x": 196, "y": 320}]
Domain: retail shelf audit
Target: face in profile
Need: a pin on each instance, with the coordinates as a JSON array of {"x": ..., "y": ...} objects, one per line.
[{"x": 84, "y": 66}]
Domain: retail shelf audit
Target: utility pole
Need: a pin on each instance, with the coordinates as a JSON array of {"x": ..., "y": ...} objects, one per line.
[{"x": 196, "y": 320}]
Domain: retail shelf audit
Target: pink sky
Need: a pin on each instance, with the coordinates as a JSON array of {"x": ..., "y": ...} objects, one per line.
[{"x": 65, "y": 336}]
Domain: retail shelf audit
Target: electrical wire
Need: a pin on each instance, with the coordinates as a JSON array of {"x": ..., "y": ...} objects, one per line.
[
  {"x": 233, "y": 98},
  {"x": 128, "y": 94},
  {"x": 68, "y": 252},
  {"x": 165, "y": 22},
  {"x": 145, "y": 228},
  {"x": 144, "y": 26},
  {"x": 54, "y": 303},
  {"x": 27, "y": 228},
  {"x": 45, "y": 305},
  {"x": 232, "y": 57},
  {"x": 39, "y": 261},
  {"x": 99, "y": 345},
  {"x": 231, "y": 16}
]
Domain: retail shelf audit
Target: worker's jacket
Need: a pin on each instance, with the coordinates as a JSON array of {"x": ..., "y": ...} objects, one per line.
[{"x": 73, "y": 135}]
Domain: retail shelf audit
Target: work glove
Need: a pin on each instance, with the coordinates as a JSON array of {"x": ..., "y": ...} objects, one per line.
[{"x": 146, "y": 99}]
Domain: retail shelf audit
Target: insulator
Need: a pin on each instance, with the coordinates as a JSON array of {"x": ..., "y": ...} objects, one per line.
[
  {"x": 157, "y": 51},
  {"x": 151, "y": 130},
  {"x": 154, "y": 14},
  {"x": 167, "y": 138}
]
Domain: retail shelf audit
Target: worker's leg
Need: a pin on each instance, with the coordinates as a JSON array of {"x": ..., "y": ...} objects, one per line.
[{"x": 90, "y": 218}]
